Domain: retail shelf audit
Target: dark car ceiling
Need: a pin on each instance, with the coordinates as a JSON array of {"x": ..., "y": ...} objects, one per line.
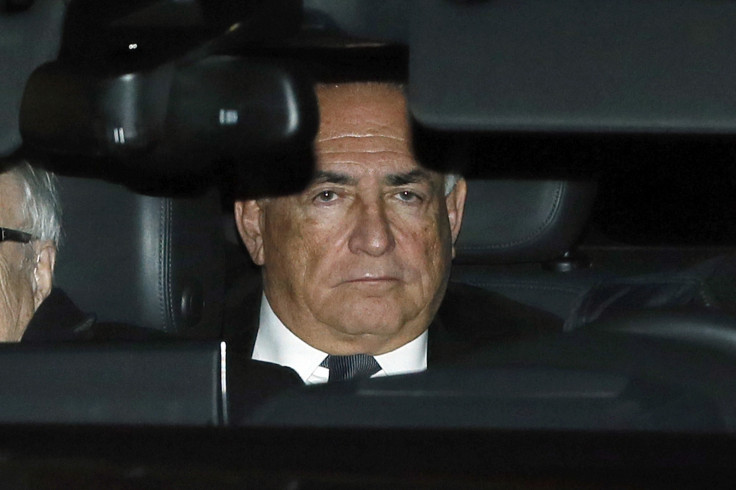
[
  {"x": 506, "y": 86},
  {"x": 643, "y": 66},
  {"x": 27, "y": 39},
  {"x": 560, "y": 87},
  {"x": 151, "y": 94},
  {"x": 631, "y": 66}
]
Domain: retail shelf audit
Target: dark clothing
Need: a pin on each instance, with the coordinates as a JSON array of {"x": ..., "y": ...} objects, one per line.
[
  {"x": 59, "y": 320},
  {"x": 252, "y": 382},
  {"x": 249, "y": 382},
  {"x": 469, "y": 318}
]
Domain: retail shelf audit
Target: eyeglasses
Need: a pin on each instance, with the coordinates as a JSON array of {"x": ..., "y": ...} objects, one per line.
[{"x": 6, "y": 234}]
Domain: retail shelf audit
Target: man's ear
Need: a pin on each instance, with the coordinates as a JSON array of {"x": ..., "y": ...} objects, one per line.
[
  {"x": 248, "y": 219},
  {"x": 455, "y": 207},
  {"x": 43, "y": 272}
]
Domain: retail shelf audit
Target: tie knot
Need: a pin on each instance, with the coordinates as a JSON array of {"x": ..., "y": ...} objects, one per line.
[{"x": 355, "y": 366}]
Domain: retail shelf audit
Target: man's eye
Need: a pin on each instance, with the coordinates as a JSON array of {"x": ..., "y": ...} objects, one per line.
[
  {"x": 326, "y": 196},
  {"x": 409, "y": 196}
]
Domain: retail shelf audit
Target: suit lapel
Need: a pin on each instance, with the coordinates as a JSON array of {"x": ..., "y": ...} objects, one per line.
[
  {"x": 442, "y": 346},
  {"x": 242, "y": 314}
]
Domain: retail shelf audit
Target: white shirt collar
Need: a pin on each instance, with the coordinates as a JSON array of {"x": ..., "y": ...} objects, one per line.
[
  {"x": 409, "y": 358},
  {"x": 277, "y": 344}
]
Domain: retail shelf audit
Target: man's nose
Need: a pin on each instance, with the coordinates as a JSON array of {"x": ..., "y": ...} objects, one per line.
[{"x": 371, "y": 233}]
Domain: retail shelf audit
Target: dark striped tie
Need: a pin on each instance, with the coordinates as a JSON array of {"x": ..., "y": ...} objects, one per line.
[{"x": 356, "y": 366}]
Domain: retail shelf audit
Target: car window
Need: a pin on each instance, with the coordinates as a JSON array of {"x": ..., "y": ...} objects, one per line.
[{"x": 597, "y": 251}]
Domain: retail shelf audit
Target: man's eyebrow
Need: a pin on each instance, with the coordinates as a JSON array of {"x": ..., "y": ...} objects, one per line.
[
  {"x": 393, "y": 180},
  {"x": 413, "y": 177},
  {"x": 322, "y": 177}
]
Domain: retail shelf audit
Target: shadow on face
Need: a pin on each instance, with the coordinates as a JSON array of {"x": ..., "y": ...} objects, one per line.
[{"x": 359, "y": 261}]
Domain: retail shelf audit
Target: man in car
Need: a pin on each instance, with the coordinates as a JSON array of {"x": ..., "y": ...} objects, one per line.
[
  {"x": 30, "y": 226},
  {"x": 355, "y": 268},
  {"x": 29, "y": 221}
]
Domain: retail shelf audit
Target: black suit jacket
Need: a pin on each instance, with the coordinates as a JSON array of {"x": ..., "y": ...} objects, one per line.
[
  {"x": 468, "y": 319},
  {"x": 58, "y": 319}
]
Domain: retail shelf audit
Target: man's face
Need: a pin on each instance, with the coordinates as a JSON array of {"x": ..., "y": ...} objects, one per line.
[
  {"x": 16, "y": 274},
  {"x": 359, "y": 261}
]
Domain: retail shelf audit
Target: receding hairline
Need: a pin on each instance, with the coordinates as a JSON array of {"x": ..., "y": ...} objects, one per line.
[{"x": 359, "y": 88}]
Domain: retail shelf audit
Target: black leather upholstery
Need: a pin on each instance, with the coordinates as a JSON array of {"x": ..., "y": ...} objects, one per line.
[
  {"x": 508, "y": 221},
  {"x": 155, "y": 262},
  {"x": 29, "y": 38},
  {"x": 512, "y": 227}
]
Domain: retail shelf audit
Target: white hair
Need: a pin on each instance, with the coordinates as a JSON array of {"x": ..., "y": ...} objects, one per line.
[
  {"x": 450, "y": 181},
  {"x": 41, "y": 205}
]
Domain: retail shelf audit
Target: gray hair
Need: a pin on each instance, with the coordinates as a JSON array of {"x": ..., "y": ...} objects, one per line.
[
  {"x": 450, "y": 181},
  {"x": 41, "y": 205}
]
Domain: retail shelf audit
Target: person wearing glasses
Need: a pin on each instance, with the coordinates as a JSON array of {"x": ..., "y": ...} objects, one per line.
[{"x": 30, "y": 226}]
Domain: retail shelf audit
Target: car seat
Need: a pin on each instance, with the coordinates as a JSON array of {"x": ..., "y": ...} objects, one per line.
[
  {"x": 31, "y": 36},
  {"x": 149, "y": 261},
  {"x": 518, "y": 239}
]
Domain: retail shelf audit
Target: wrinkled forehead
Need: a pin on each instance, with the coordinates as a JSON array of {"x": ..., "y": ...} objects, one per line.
[
  {"x": 363, "y": 110},
  {"x": 11, "y": 201},
  {"x": 364, "y": 125}
]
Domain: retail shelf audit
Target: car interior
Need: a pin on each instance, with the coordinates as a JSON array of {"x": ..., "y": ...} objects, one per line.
[{"x": 597, "y": 140}]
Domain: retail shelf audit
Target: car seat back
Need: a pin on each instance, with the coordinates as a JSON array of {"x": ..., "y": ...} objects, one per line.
[
  {"x": 518, "y": 238},
  {"x": 149, "y": 261},
  {"x": 30, "y": 37}
]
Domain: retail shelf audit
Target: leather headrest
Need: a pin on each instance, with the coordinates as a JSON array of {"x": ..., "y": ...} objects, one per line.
[
  {"x": 29, "y": 38},
  {"x": 509, "y": 221},
  {"x": 154, "y": 262}
]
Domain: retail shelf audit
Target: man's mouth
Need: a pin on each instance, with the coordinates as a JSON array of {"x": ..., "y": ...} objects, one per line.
[{"x": 369, "y": 280}]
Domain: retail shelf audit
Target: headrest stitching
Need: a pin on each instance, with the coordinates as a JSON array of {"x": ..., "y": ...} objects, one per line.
[{"x": 548, "y": 220}]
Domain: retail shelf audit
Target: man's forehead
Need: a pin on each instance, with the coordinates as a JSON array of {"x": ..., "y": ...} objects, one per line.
[
  {"x": 362, "y": 110},
  {"x": 364, "y": 131}
]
